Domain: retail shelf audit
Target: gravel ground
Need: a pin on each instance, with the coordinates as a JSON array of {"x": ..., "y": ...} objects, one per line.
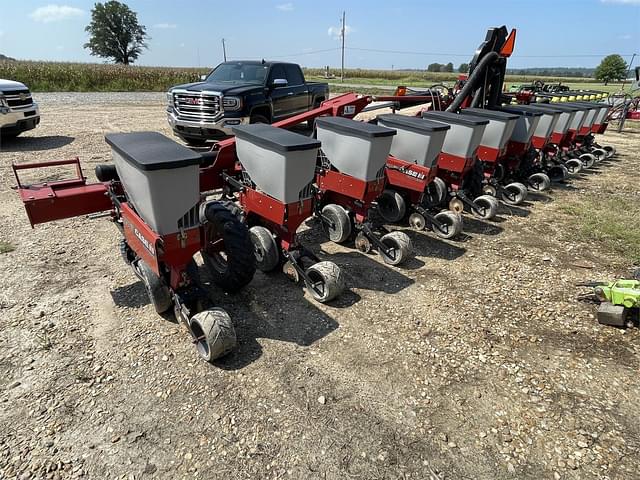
[{"x": 473, "y": 362}]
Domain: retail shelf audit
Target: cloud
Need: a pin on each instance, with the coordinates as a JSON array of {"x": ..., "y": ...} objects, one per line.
[
  {"x": 55, "y": 13},
  {"x": 165, "y": 25},
  {"x": 285, "y": 7},
  {"x": 622, "y": 2},
  {"x": 335, "y": 31}
]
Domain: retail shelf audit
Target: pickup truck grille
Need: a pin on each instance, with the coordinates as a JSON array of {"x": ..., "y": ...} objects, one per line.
[
  {"x": 197, "y": 106},
  {"x": 18, "y": 98}
]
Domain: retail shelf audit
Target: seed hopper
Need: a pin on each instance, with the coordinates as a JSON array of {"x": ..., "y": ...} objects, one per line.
[
  {"x": 151, "y": 191},
  {"x": 349, "y": 179},
  {"x": 413, "y": 190},
  {"x": 500, "y": 169}
]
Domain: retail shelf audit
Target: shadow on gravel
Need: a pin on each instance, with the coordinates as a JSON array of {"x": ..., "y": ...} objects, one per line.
[
  {"x": 35, "y": 144},
  {"x": 514, "y": 211},
  {"x": 133, "y": 295},
  {"x": 366, "y": 273},
  {"x": 293, "y": 319},
  {"x": 477, "y": 226},
  {"x": 539, "y": 197},
  {"x": 427, "y": 245}
]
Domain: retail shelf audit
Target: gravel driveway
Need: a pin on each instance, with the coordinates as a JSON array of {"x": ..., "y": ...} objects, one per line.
[{"x": 474, "y": 362}]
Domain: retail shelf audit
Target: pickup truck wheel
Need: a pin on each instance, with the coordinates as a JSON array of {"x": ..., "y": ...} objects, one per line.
[{"x": 258, "y": 119}]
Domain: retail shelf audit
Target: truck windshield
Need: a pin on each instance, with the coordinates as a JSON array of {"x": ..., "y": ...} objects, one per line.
[{"x": 238, "y": 73}]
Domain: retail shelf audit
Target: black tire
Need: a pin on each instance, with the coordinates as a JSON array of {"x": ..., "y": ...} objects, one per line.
[
  {"x": 157, "y": 290},
  {"x": 257, "y": 118},
  {"x": 233, "y": 267},
  {"x": 451, "y": 224},
  {"x": 539, "y": 182},
  {"x": 391, "y": 206},
  {"x": 340, "y": 231},
  {"x": 312, "y": 121},
  {"x": 514, "y": 194},
  {"x": 214, "y": 334},
  {"x": 401, "y": 246},
  {"x": 487, "y": 207},
  {"x": 328, "y": 281},
  {"x": 265, "y": 247}
]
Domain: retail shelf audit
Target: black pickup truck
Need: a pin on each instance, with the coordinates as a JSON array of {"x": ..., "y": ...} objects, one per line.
[{"x": 240, "y": 92}]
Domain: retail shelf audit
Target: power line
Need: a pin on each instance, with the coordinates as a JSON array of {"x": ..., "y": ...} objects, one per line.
[
  {"x": 443, "y": 54},
  {"x": 310, "y": 52}
]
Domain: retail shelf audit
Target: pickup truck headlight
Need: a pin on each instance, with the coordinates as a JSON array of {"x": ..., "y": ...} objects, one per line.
[
  {"x": 170, "y": 98},
  {"x": 232, "y": 103}
]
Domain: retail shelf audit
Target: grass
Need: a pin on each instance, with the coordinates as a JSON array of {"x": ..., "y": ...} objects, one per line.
[
  {"x": 608, "y": 221},
  {"x": 6, "y": 247}
]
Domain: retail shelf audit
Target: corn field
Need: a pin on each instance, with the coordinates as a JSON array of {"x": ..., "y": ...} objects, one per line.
[{"x": 93, "y": 77}]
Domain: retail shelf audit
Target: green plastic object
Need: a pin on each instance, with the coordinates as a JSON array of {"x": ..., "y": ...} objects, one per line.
[
  {"x": 625, "y": 293},
  {"x": 619, "y": 301}
]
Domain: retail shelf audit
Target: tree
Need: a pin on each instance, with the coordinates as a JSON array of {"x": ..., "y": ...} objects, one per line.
[
  {"x": 447, "y": 68},
  {"x": 115, "y": 33},
  {"x": 434, "y": 67},
  {"x": 612, "y": 67},
  {"x": 463, "y": 68}
]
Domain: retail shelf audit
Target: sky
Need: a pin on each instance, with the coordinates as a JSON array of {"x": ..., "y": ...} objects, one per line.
[{"x": 381, "y": 35}]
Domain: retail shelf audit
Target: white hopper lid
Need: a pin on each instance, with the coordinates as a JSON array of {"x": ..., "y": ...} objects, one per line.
[
  {"x": 347, "y": 126},
  {"x": 151, "y": 151},
  {"x": 273, "y": 138}
]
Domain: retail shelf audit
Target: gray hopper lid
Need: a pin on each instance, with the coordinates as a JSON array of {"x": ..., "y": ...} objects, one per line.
[
  {"x": 558, "y": 107},
  {"x": 273, "y": 138},
  {"x": 490, "y": 114},
  {"x": 151, "y": 151},
  {"x": 353, "y": 127},
  {"x": 456, "y": 118},
  {"x": 413, "y": 124},
  {"x": 524, "y": 110},
  {"x": 585, "y": 105}
]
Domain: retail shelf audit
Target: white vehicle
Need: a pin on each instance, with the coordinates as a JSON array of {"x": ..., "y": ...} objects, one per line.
[{"x": 18, "y": 111}]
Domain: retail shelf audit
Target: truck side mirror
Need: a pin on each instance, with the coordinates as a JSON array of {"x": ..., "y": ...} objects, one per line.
[
  {"x": 203, "y": 77},
  {"x": 279, "y": 82}
]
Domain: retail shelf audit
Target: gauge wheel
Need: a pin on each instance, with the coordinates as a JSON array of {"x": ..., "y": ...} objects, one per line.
[
  {"x": 399, "y": 245},
  {"x": 450, "y": 224},
  {"x": 326, "y": 281},
  {"x": 214, "y": 334},
  {"x": 486, "y": 207},
  {"x": 265, "y": 248},
  {"x": 339, "y": 228}
]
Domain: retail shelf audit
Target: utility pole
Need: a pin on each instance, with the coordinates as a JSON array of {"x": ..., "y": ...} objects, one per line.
[
  {"x": 224, "y": 50},
  {"x": 628, "y": 71},
  {"x": 342, "y": 35}
]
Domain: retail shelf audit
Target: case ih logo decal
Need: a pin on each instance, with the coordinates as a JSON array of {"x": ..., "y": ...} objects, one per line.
[
  {"x": 413, "y": 173},
  {"x": 147, "y": 244}
]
